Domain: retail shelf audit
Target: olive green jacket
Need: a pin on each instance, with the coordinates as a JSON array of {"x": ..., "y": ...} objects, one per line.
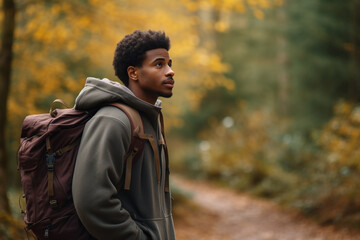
[{"x": 107, "y": 210}]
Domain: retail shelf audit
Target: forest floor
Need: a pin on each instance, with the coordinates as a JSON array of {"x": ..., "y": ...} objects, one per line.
[{"x": 215, "y": 213}]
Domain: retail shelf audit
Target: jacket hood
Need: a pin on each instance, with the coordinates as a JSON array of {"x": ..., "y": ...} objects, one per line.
[{"x": 99, "y": 92}]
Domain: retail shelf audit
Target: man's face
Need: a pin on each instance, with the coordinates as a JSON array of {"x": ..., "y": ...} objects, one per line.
[{"x": 155, "y": 76}]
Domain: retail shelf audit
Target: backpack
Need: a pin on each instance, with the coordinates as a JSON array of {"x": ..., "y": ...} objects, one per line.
[{"x": 46, "y": 158}]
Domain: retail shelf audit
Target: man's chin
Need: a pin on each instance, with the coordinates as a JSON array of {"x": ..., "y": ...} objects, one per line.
[{"x": 166, "y": 95}]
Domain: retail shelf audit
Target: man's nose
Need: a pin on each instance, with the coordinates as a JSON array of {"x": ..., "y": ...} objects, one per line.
[{"x": 170, "y": 72}]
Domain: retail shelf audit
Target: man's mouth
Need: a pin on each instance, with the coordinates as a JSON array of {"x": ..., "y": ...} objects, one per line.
[{"x": 169, "y": 83}]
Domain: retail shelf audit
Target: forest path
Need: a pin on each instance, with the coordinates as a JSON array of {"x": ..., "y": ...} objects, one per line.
[{"x": 227, "y": 215}]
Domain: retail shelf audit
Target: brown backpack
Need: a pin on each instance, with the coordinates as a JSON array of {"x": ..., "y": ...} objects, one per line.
[{"x": 48, "y": 148}]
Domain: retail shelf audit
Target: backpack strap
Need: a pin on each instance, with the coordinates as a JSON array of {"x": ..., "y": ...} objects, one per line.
[
  {"x": 137, "y": 143},
  {"x": 154, "y": 146},
  {"x": 50, "y": 162}
]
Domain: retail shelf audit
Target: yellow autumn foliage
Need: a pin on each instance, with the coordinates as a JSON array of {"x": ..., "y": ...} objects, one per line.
[
  {"x": 91, "y": 30},
  {"x": 341, "y": 137},
  {"x": 240, "y": 150},
  {"x": 336, "y": 168}
]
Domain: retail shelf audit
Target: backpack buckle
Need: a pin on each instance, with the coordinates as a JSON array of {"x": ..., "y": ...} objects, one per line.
[
  {"x": 53, "y": 203},
  {"x": 46, "y": 233},
  {"x": 50, "y": 161}
]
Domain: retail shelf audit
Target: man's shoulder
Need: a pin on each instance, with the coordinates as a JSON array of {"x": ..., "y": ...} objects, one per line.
[{"x": 113, "y": 114}]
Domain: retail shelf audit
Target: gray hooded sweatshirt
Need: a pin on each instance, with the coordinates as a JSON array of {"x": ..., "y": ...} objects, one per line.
[{"x": 107, "y": 210}]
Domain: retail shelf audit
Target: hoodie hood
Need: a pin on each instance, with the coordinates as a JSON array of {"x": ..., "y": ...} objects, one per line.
[{"x": 99, "y": 92}]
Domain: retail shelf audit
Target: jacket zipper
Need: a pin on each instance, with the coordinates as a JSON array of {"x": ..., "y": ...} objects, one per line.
[{"x": 162, "y": 173}]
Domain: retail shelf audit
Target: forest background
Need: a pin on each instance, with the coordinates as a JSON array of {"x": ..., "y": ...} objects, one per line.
[{"x": 266, "y": 98}]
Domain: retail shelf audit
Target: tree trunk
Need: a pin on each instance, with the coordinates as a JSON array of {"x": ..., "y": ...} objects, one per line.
[
  {"x": 8, "y": 27},
  {"x": 355, "y": 53},
  {"x": 282, "y": 58}
]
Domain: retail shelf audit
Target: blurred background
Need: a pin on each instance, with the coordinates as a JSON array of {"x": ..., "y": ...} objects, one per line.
[{"x": 266, "y": 99}]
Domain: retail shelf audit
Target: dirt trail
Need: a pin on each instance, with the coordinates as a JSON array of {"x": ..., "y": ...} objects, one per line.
[{"x": 227, "y": 215}]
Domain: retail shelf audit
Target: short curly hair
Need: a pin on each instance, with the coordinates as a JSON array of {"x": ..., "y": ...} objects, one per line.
[{"x": 131, "y": 50}]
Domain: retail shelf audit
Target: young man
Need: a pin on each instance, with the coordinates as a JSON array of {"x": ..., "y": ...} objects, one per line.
[{"x": 106, "y": 209}]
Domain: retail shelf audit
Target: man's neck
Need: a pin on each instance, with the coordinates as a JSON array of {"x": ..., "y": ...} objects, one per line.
[{"x": 139, "y": 94}]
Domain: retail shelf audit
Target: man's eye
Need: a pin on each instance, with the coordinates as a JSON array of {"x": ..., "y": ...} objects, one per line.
[{"x": 159, "y": 64}]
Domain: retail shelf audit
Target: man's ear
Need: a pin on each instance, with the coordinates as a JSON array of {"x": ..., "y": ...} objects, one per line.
[{"x": 132, "y": 73}]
